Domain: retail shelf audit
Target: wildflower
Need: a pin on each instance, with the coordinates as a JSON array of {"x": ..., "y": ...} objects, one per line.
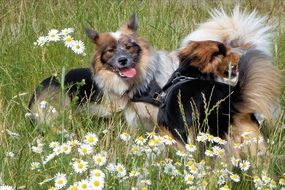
[
  {"x": 49, "y": 157},
  {"x": 57, "y": 150},
  {"x": 209, "y": 153},
  {"x": 35, "y": 165},
  {"x": 84, "y": 149},
  {"x": 218, "y": 151},
  {"x": 91, "y": 139},
  {"x": 80, "y": 166},
  {"x": 265, "y": 178},
  {"x": 220, "y": 141},
  {"x": 53, "y": 144},
  {"x": 10, "y": 154},
  {"x": 235, "y": 177},
  {"x": 136, "y": 150},
  {"x": 83, "y": 184},
  {"x": 202, "y": 137},
  {"x": 140, "y": 140},
  {"x": 146, "y": 181},
  {"x": 168, "y": 140},
  {"x": 73, "y": 143},
  {"x": 181, "y": 153},
  {"x": 125, "y": 136},
  {"x": 97, "y": 173},
  {"x": 78, "y": 47},
  {"x": 99, "y": 159},
  {"x": 73, "y": 187},
  {"x": 238, "y": 145},
  {"x": 53, "y": 35},
  {"x": 68, "y": 41},
  {"x": 244, "y": 165},
  {"x": 193, "y": 169},
  {"x": 60, "y": 180},
  {"x": 121, "y": 170},
  {"x": 66, "y": 31},
  {"x": 134, "y": 173},
  {"x": 235, "y": 161},
  {"x": 111, "y": 167},
  {"x": 66, "y": 148},
  {"x": 272, "y": 184},
  {"x": 210, "y": 138},
  {"x": 169, "y": 168},
  {"x": 6, "y": 187},
  {"x": 282, "y": 181},
  {"x": 190, "y": 147},
  {"x": 41, "y": 41},
  {"x": 52, "y": 188},
  {"x": 96, "y": 183},
  {"x": 150, "y": 134},
  {"x": 37, "y": 149},
  {"x": 225, "y": 187},
  {"x": 189, "y": 179}
]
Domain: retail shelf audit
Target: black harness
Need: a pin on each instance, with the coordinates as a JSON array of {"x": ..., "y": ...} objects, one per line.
[{"x": 156, "y": 95}]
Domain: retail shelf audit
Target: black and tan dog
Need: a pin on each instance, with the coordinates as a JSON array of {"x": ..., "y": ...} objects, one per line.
[{"x": 193, "y": 101}]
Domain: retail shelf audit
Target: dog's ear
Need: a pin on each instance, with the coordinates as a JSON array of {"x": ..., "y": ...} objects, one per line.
[
  {"x": 94, "y": 36},
  {"x": 133, "y": 23},
  {"x": 222, "y": 50},
  {"x": 132, "y": 26}
]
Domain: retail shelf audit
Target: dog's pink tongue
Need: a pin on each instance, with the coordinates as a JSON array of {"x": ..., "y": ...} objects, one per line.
[{"x": 129, "y": 72}]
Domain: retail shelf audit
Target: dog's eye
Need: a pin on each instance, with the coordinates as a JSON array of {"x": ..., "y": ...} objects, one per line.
[
  {"x": 128, "y": 47},
  {"x": 110, "y": 50}
]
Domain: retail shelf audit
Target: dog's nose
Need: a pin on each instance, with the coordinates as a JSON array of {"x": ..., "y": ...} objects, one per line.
[{"x": 122, "y": 60}]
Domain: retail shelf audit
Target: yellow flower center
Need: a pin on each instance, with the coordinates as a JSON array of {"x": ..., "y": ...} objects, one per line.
[
  {"x": 73, "y": 188},
  {"x": 84, "y": 150},
  {"x": 99, "y": 160},
  {"x": 68, "y": 39},
  {"x": 120, "y": 169},
  {"x": 97, "y": 174},
  {"x": 96, "y": 183},
  {"x": 60, "y": 182},
  {"x": 90, "y": 139},
  {"x": 84, "y": 186},
  {"x": 80, "y": 165},
  {"x": 77, "y": 46}
]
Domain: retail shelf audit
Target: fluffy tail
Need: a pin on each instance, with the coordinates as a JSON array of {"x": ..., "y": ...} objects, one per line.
[
  {"x": 238, "y": 30},
  {"x": 259, "y": 85}
]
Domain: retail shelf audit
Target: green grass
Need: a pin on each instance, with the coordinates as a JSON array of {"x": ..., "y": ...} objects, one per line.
[{"x": 23, "y": 66}]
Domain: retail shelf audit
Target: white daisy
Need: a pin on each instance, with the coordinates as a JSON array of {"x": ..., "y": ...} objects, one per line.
[
  {"x": 202, "y": 137},
  {"x": 235, "y": 161},
  {"x": 220, "y": 141},
  {"x": 6, "y": 187},
  {"x": 53, "y": 35},
  {"x": 57, "y": 150},
  {"x": 35, "y": 165},
  {"x": 80, "y": 166},
  {"x": 48, "y": 158},
  {"x": 91, "y": 138},
  {"x": 225, "y": 187},
  {"x": 66, "y": 148},
  {"x": 10, "y": 154},
  {"x": 209, "y": 153},
  {"x": 53, "y": 144},
  {"x": 84, "y": 149},
  {"x": 125, "y": 136},
  {"x": 134, "y": 173},
  {"x": 83, "y": 184},
  {"x": 68, "y": 41},
  {"x": 74, "y": 186},
  {"x": 235, "y": 177},
  {"x": 66, "y": 31},
  {"x": 99, "y": 159},
  {"x": 111, "y": 167},
  {"x": 121, "y": 170},
  {"x": 73, "y": 143},
  {"x": 218, "y": 151},
  {"x": 78, "y": 47},
  {"x": 96, "y": 183},
  {"x": 37, "y": 149},
  {"x": 282, "y": 181},
  {"x": 60, "y": 180},
  {"x": 41, "y": 41},
  {"x": 140, "y": 140},
  {"x": 190, "y": 147},
  {"x": 96, "y": 173},
  {"x": 272, "y": 184},
  {"x": 244, "y": 165},
  {"x": 189, "y": 179},
  {"x": 150, "y": 134},
  {"x": 181, "y": 153},
  {"x": 168, "y": 140}
]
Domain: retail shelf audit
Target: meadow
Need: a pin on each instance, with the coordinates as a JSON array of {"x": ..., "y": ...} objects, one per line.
[{"x": 77, "y": 147}]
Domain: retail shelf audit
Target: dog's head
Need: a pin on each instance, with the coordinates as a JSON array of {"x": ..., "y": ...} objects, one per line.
[
  {"x": 209, "y": 56},
  {"x": 119, "y": 57}
]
